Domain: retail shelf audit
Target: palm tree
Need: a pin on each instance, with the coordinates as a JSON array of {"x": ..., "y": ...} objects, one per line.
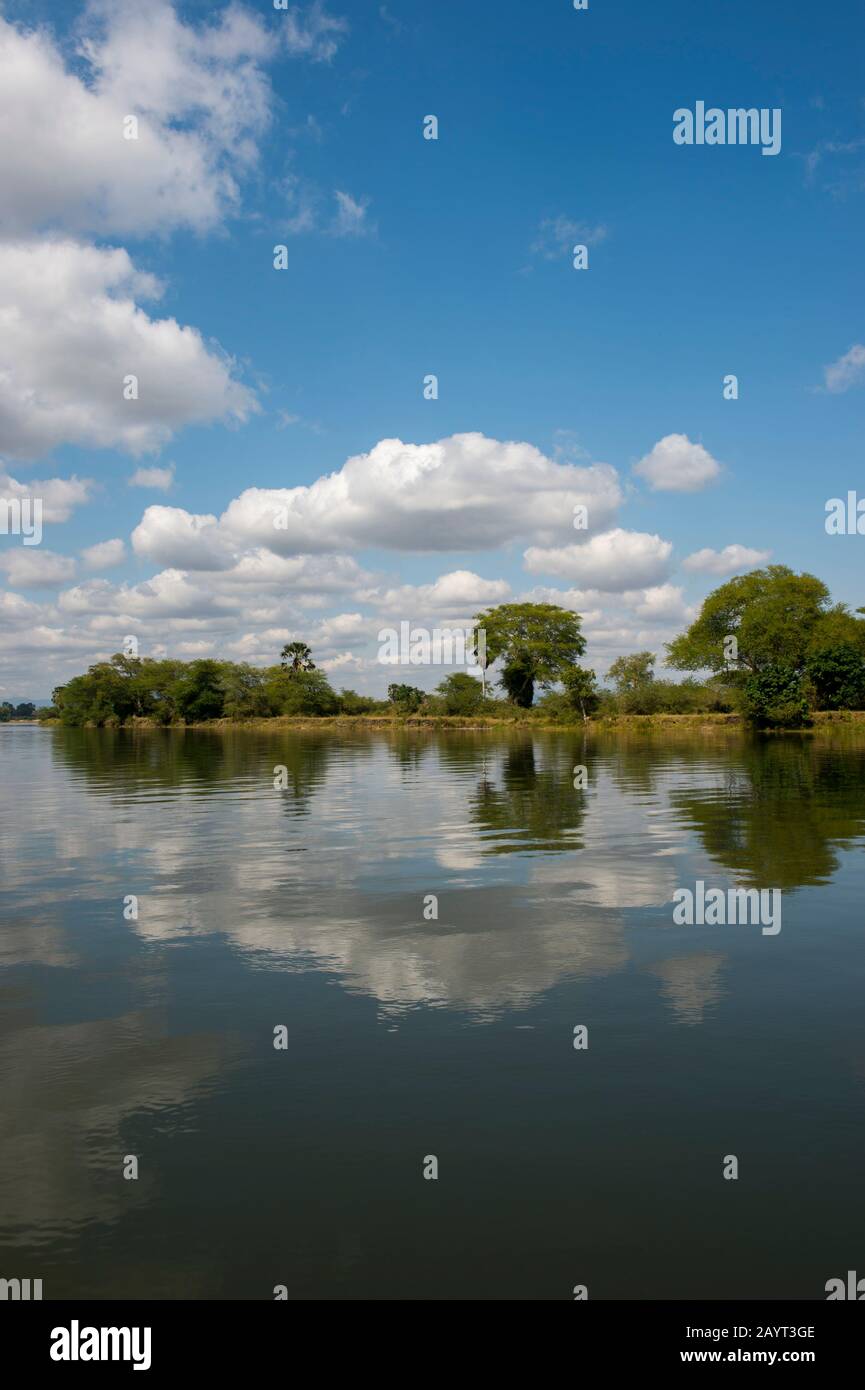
[{"x": 297, "y": 656}]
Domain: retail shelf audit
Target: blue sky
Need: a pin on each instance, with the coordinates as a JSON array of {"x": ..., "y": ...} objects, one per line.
[{"x": 408, "y": 257}]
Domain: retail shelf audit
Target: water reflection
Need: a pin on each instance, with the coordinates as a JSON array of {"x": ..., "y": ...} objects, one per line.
[
  {"x": 781, "y": 814},
  {"x": 536, "y": 881},
  {"x": 305, "y": 906},
  {"x": 529, "y": 807},
  {"x": 690, "y": 984}
]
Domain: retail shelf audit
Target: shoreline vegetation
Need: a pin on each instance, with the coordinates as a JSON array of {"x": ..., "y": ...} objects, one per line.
[
  {"x": 823, "y": 721},
  {"x": 768, "y": 650}
]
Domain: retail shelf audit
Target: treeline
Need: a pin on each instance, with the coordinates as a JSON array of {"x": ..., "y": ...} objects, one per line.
[
  {"x": 117, "y": 692},
  {"x": 774, "y": 646},
  {"x": 26, "y": 710}
]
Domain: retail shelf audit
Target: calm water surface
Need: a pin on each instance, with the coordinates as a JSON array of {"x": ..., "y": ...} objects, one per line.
[{"x": 408, "y": 1037}]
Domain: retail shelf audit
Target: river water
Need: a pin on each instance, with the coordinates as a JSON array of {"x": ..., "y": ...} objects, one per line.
[{"x": 168, "y": 915}]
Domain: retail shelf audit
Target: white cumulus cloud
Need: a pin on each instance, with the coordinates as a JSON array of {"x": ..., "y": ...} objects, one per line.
[
  {"x": 71, "y": 331},
  {"x": 457, "y": 592},
  {"x": 160, "y": 479},
  {"x": 59, "y": 496},
  {"x": 105, "y": 555},
  {"x": 727, "y": 561},
  {"x": 34, "y": 568},
  {"x": 677, "y": 465},
  {"x": 174, "y": 537},
  {"x": 465, "y": 492},
  {"x": 198, "y": 92},
  {"x": 612, "y": 562}
]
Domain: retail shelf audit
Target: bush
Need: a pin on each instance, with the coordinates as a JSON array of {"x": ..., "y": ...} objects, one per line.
[
  {"x": 299, "y": 692},
  {"x": 352, "y": 703},
  {"x": 837, "y": 677},
  {"x": 775, "y": 697},
  {"x": 406, "y": 698},
  {"x": 461, "y": 693}
]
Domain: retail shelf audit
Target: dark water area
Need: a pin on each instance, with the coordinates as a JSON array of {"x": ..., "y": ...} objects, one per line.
[{"x": 305, "y": 907}]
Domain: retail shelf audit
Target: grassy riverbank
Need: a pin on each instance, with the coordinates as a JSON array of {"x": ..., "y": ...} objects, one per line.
[{"x": 824, "y": 721}]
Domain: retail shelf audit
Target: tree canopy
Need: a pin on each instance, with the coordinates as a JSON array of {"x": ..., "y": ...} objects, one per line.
[
  {"x": 772, "y": 613},
  {"x": 536, "y": 642},
  {"x": 780, "y": 644},
  {"x": 629, "y": 673}
]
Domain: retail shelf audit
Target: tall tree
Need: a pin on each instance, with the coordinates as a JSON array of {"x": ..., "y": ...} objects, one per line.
[
  {"x": 199, "y": 693},
  {"x": 536, "y": 642},
  {"x": 772, "y": 614},
  {"x": 297, "y": 656},
  {"x": 629, "y": 673},
  {"x": 581, "y": 688},
  {"x": 758, "y": 628}
]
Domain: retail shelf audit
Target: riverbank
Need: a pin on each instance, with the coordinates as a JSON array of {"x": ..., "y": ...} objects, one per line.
[{"x": 824, "y": 721}]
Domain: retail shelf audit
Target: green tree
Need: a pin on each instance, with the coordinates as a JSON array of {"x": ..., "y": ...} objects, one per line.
[
  {"x": 837, "y": 675},
  {"x": 299, "y": 692},
  {"x": 6, "y": 712},
  {"x": 461, "y": 693},
  {"x": 26, "y": 710},
  {"x": 773, "y": 615},
  {"x": 835, "y": 662},
  {"x": 407, "y": 698},
  {"x": 775, "y": 697},
  {"x": 581, "y": 689},
  {"x": 630, "y": 673},
  {"x": 104, "y": 694},
  {"x": 536, "y": 642},
  {"x": 243, "y": 690},
  {"x": 199, "y": 693},
  {"x": 297, "y": 656},
  {"x": 352, "y": 703}
]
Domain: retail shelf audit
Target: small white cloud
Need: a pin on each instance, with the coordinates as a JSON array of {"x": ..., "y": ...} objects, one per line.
[
  {"x": 461, "y": 591},
  {"x": 662, "y": 604},
  {"x": 726, "y": 561},
  {"x": 36, "y": 569},
  {"x": 350, "y": 217},
  {"x": 174, "y": 537},
  {"x": 848, "y": 371},
  {"x": 557, "y": 236},
  {"x": 296, "y": 574},
  {"x": 311, "y": 32},
  {"x": 162, "y": 479},
  {"x": 17, "y": 612},
  {"x": 612, "y": 562},
  {"x": 59, "y": 496},
  {"x": 677, "y": 465},
  {"x": 105, "y": 555}
]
